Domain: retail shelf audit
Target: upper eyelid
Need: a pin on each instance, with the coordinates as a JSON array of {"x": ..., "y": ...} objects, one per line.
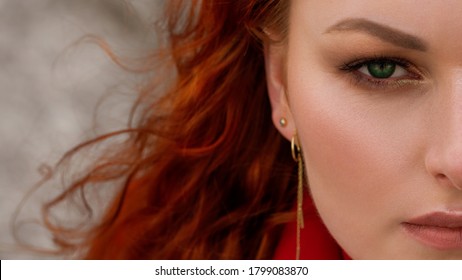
[{"x": 362, "y": 61}]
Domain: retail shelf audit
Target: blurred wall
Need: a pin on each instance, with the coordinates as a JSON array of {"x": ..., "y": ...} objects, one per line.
[{"x": 49, "y": 87}]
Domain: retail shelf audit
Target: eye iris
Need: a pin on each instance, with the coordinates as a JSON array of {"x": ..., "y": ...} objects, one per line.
[{"x": 381, "y": 69}]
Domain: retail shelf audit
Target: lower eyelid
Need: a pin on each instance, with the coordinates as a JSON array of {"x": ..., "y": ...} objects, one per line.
[{"x": 369, "y": 82}]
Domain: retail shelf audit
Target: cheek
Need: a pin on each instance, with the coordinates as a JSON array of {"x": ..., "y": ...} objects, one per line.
[
  {"x": 342, "y": 136},
  {"x": 357, "y": 155},
  {"x": 345, "y": 157}
]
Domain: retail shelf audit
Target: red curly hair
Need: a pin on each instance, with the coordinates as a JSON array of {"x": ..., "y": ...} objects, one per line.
[{"x": 205, "y": 173}]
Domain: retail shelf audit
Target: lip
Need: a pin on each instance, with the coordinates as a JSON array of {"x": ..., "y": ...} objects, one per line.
[{"x": 440, "y": 230}]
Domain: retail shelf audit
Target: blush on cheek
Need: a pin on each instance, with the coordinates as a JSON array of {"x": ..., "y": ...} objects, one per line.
[
  {"x": 347, "y": 164},
  {"x": 339, "y": 155}
]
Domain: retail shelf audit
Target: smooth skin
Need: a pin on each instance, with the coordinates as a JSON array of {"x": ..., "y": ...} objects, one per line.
[{"x": 378, "y": 150}]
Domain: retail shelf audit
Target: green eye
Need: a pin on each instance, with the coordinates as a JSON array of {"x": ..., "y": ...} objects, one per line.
[{"x": 381, "y": 69}]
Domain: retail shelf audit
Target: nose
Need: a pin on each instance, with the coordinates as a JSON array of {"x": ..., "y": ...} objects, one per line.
[{"x": 444, "y": 159}]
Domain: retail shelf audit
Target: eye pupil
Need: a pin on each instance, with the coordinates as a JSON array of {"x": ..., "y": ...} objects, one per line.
[{"x": 381, "y": 69}]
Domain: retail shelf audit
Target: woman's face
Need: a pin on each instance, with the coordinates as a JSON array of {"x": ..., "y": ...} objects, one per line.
[{"x": 374, "y": 93}]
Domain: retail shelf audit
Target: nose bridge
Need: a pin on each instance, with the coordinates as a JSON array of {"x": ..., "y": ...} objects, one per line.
[
  {"x": 452, "y": 95},
  {"x": 447, "y": 157}
]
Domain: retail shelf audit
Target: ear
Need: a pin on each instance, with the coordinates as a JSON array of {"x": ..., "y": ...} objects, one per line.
[{"x": 275, "y": 65}]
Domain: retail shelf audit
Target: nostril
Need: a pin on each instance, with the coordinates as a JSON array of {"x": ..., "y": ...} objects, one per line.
[
  {"x": 443, "y": 180},
  {"x": 446, "y": 181},
  {"x": 445, "y": 167},
  {"x": 441, "y": 177}
]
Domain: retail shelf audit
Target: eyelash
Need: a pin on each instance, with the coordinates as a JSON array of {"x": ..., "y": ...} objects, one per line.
[{"x": 375, "y": 83}]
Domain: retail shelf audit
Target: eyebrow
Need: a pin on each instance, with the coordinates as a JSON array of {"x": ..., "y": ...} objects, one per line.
[{"x": 383, "y": 32}]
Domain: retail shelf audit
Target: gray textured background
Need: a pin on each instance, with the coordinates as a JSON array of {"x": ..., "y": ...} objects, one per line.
[{"x": 50, "y": 87}]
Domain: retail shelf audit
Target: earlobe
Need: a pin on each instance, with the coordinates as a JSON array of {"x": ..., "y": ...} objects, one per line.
[{"x": 276, "y": 83}]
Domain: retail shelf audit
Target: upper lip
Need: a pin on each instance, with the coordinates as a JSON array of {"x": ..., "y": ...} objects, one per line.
[{"x": 438, "y": 219}]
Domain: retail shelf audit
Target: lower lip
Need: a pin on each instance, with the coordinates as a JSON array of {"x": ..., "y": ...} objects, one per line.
[{"x": 442, "y": 238}]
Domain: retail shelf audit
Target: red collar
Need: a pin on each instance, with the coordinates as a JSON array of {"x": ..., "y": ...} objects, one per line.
[{"x": 315, "y": 241}]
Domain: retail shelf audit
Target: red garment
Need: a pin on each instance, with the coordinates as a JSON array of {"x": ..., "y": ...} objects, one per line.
[{"x": 316, "y": 243}]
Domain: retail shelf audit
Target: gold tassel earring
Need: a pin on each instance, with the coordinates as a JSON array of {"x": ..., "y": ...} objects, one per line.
[{"x": 297, "y": 156}]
